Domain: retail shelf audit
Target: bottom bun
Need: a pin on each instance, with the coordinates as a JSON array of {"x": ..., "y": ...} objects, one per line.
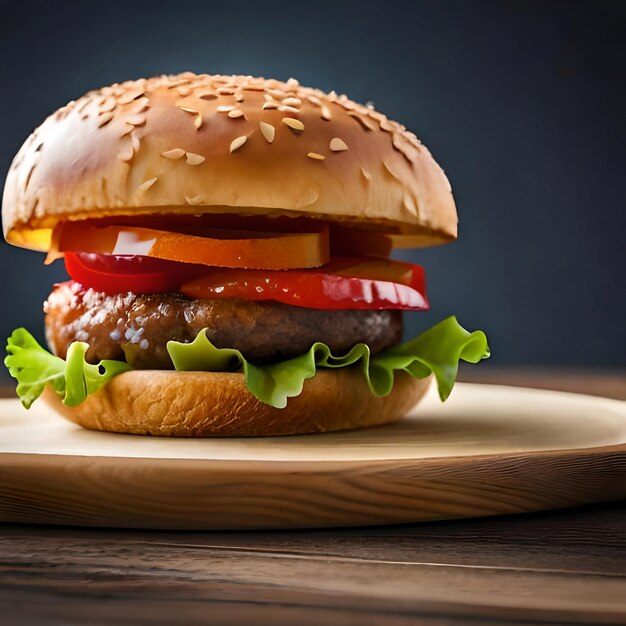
[{"x": 209, "y": 404}]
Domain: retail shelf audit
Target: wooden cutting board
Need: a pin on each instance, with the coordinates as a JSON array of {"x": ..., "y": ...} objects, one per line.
[{"x": 489, "y": 450}]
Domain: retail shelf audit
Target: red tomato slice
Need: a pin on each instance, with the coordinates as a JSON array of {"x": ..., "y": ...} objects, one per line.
[
  {"x": 121, "y": 274},
  {"x": 345, "y": 283},
  {"x": 324, "y": 288}
]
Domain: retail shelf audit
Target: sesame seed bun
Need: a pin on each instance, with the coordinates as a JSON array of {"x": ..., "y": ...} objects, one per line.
[
  {"x": 198, "y": 144},
  {"x": 208, "y": 404}
]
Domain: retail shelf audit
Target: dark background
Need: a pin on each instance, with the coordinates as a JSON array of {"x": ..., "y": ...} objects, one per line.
[{"x": 523, "y": 103}]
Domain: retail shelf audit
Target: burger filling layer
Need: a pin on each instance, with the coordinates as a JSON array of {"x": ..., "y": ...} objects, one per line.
[{"x": 273, "y": 298}]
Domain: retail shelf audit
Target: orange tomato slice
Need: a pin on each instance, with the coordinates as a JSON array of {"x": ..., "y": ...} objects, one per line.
[
  {"x": 210, "y": 246},
  {"x": 374, "y": 269}
]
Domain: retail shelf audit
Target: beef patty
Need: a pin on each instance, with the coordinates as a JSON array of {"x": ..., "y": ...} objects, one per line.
[{"x": 137, "y": 327}]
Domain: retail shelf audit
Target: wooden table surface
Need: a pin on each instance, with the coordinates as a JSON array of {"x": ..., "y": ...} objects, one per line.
[{"x": 557, "y": 567}]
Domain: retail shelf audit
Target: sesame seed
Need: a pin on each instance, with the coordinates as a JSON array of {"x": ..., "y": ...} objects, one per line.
[
  {"x": 268, "y": 131},
  {"x": 187, "y": 109},
  {"x": 345, "y": 103},
  {"x": 365, "y": 174},
  {"x": 129, "y": 96},
  {"x": 225, "y": 108},
  {"x": 325, "y": 112},
  {"x": 126, "y": 154},
  {"x": 174, "y": 153},
  {"x": 194, "y": 159},
  {"x": 270, "y": 105},
  {"x": 293, "y": 123},
  {"x": 390, "y": 170},
  {"x": 292, "y": 82},
  {"x": 279, "y": 94},
  {"x": 364, "y": 121},
  {"x": 292, "y": 102},
  {"x": 134, "y": 140},
  {"x": 397, "y": 142},
  {"x": 236, "y": 113},
  {"x": 104, "y": 119},
  {"x": 288, "y": 109},
  {"x": 239, "y": 97},
  {"x": 146, "y": 185},
  {"x": 235, "y": 144},
  {"x": 108, "y": 105},
  {"x": 225, "y": 91},
  {"x": 29, "y": 175},
  {"x": 81, "y": 108},
  {"x": 129, "y": 128},
  {"x": 314, "y": 100},
  {"x": 315, "y": 155},
  {"x": 141, "y": 105},
  {"x": 197, "y": 120},
  {"x": 386, "y": 125},
  {"x": 183, "y": 91},
  {"x": 136, "y": 120},
  {"x": 338, "y": 145}
]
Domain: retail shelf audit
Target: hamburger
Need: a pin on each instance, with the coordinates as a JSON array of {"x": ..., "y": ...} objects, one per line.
[{"x": 228, "y": 241}]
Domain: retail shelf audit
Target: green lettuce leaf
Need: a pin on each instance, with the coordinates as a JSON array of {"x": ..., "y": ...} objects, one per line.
[
  {"x": 73, "y": 379},
  {"x": 437, "y": 352}
]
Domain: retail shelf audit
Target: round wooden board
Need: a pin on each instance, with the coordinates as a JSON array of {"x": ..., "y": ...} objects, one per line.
[{"x": 488, "y": 451}]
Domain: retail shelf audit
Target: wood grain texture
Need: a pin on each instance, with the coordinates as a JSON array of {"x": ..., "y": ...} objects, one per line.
[
  {"x": 489, "y": 451},
  {"x": 567, "y": 567}
]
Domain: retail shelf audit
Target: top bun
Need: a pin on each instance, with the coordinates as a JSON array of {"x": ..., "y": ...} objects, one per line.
[{"x": 225, "y": 144}]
